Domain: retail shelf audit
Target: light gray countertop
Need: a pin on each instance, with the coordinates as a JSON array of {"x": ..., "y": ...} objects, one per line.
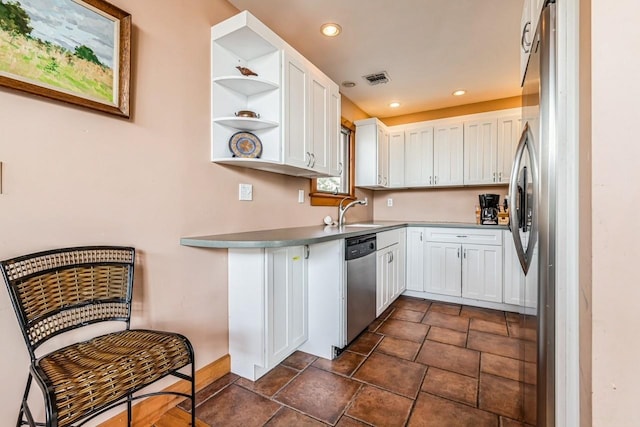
[{"x": 282, "y": 237}]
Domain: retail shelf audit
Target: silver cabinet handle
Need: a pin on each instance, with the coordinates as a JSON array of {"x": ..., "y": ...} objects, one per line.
[
  {"x": 379, "y": 180},
  {"x": 435, "y": 180},
  {"x": 462, "y": 236},
  {"x": 499, "y": 176},
  {"x": 308, "y": 157},
  {"x": 313, "y": 160},
  {"x": 430, "y": 177},
  {"x": 421, "y": 236},
  {"x": 464, "y": 254},
  {"x": 389, "y": 257},
  {"x": 458, "y": 252},
  {"x": 494, "y": 177},
  {"x": 526, "y": 45},
  {"x": 307, "y": 251},
  {"x": 340, "y": 168}
]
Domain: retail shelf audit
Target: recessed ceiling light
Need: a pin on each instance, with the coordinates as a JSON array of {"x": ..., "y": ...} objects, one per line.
[
  {"x": 347, "y": 83},
  {"x": 459, "y": 92},
  {"x": 330, "y": 29},
  {"x": 394, "y": 105}
]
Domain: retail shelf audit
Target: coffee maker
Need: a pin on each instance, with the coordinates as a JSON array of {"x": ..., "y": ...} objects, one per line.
[{"x": 489, "y": 208}]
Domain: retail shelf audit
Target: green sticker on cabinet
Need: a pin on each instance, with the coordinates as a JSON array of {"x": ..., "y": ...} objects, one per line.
[{"x": 296, "y": 258}]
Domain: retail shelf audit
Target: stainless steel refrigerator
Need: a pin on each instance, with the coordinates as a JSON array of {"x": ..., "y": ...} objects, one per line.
[{"x": 532, "y": 194}]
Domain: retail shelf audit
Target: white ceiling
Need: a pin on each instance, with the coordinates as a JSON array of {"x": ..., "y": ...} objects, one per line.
[{"x": 429, "y": 48}]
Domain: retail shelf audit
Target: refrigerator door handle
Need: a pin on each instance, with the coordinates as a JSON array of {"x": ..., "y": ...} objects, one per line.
[{"x": 514, "y": 224}]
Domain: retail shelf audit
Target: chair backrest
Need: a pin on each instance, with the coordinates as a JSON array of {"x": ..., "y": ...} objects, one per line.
[{"x": 59, "y": 290}]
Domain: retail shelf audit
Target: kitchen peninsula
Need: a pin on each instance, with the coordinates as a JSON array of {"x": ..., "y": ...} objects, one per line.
[{"x": 287, "y": 287}]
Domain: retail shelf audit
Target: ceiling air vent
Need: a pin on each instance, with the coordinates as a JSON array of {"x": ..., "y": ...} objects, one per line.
[{"x": 377, "y": 78}]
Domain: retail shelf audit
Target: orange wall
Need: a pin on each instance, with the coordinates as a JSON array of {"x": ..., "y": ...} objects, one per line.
[
  {"x": 460, "y": 110},
  {"x": 72, "y": 176}
]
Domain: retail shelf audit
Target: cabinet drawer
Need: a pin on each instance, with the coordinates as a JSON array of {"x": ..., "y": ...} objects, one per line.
[
  {"x": 464, "y": 235},
  {"x": 385, "y": 239}
]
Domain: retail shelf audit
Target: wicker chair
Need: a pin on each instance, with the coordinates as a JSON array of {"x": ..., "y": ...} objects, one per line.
[{"x": 60, "y": 290}]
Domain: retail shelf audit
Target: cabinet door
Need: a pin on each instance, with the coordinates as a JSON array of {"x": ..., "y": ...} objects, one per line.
[
  {"x": 286, "y": 301},
  {"x": 320, "y": 121},
  {"x": 527, "y": 32},
  {"x": 448, "y": 155},
  {"x": 395, "y": 267},
  {"x": 531, "y": 284},
  {"x": 401, "y": 262},
  {"x": 415, "y": 259},
  {"x": 480, "y": 152},
  {"x": 513, "y": 276},
  {"x": 382, "y": 281},
  {"x": 383, "y": 157},
  {"x": 396, "y": 159},
  {"x": 482, "y": 272},
  {"x": 418, "y": 165},
  {"x": 337, "y": 155},
  {"x": 297, "y": 146},
  {"x": 509, "y": 129},
  {"x": 443, "y": 268}
]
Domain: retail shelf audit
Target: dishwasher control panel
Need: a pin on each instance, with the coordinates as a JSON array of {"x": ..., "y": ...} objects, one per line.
[{"x": 358, "y": 247}]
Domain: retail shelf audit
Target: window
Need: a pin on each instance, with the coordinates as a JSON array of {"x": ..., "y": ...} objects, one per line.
[{"x": 329, "y": 191}]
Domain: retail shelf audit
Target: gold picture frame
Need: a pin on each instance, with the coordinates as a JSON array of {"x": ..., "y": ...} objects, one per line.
[{"x": 74, "y": 51}]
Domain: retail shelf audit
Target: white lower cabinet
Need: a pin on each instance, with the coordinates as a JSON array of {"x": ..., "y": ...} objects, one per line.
[
  {"x": 441, "y": 262},
  {"x": 482, "y": 272},
  {"x": 390, "y": 268},
  {"x": 267, "y": 307},
  {"x": 415, "y": 265},
  {"x": 327, "y": 311},
  {"x": 443, "y": 269},
  {"x": 519, "y": 289}
]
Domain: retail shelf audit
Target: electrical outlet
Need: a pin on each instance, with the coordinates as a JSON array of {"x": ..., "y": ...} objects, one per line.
[
  {"x": 245, "y": 192},
  {"x": 300, "y": 196},
  {"x": 389, "y": 202}
]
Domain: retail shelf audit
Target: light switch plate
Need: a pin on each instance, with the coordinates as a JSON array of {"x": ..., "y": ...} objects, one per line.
[
  {"x": 300, "y": 196},
  {"x": 245, "y": 192},
  {"x": 389, "y": 202}
]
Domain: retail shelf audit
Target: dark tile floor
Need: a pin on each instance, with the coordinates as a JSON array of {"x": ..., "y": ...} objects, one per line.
[{"x": 421, "y": 363}]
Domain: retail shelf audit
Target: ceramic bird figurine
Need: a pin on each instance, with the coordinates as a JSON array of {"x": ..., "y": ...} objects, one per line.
[{"x": 245, "y": 71}]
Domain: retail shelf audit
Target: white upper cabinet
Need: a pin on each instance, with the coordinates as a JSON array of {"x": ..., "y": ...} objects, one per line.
[
  {"x": 480, "y": 152},
  {"x": 448, "y": 146},
  {"x": 476, "y": 149},
  {"x": 489, "y": 148},
  {"x": 372, "y": 154},
  {"x": 418, "y": 165},
  {"x": 531, "y": 11},
  {"x": 509, "y": 129},
  {"x": 297, "y": 143},
  {"x": 294, "y": 130},
  {"x": 337, "y": 161},
  {"x": 396, "y": 159}
]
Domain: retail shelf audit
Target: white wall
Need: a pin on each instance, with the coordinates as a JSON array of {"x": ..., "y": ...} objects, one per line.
[
  {"x": 616, "y": 202},
  {"x": 72, "y": 176}
]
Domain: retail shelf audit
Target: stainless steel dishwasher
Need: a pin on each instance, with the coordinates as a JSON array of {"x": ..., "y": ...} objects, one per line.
[{"x": 360, "y": 257}]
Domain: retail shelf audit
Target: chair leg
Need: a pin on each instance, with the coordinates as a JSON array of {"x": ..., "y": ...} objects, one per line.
[
  {"x": 129, "y": 410},
  {"x": 193, "y": 394},
  {"x": 24, "y": 410}
]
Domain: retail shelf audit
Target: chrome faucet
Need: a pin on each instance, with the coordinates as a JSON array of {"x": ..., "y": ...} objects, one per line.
[{"x": 342, "y": 211}]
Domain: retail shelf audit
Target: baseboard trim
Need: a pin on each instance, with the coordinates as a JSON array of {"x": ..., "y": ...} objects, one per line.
[{"x": 150, "y": 410}]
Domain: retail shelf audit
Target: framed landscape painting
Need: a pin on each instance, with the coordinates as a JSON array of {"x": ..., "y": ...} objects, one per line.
[{"x": 76, "y": 51}]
